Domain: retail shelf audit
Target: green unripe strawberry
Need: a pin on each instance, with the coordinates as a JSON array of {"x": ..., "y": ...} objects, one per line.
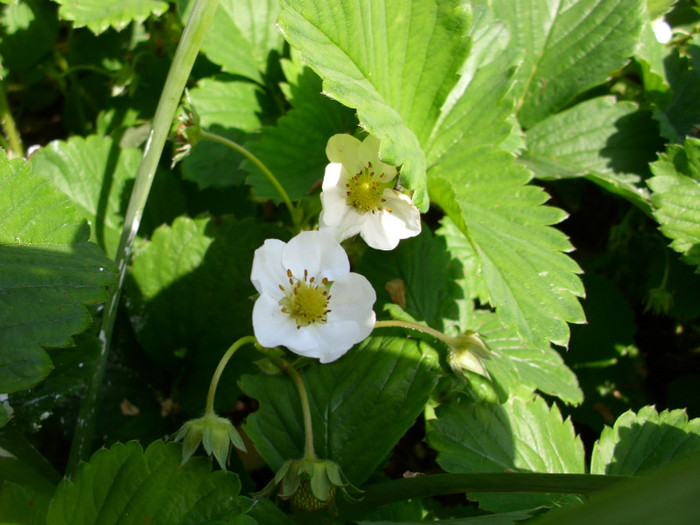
[{"x": 303, "y": 499}]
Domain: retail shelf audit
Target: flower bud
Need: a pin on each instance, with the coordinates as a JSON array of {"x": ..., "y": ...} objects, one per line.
[{"x": 217, "y": 434}]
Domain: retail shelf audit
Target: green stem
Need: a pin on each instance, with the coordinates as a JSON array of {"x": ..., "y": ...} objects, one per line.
[
  {"x": 255, "y": 160},
  {"x": 309, "y": 452},
  {"x": 417, "y": 327},
  {"x": 442, "y": 484},
  {"x": 220, "y": 369},
  {"x": 185, "y": 55},
  {"x": 8, "y": 124}
]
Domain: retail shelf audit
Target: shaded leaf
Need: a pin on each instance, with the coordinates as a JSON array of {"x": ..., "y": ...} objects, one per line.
[
  {"x": 642, "y": 443},
  {"x": 50, "y": 272},
  {"x": 186, "y": 289},
  {"x": 125, "y": 483},
  {"x": 99, "y": 15},
  {"x": 28, "y": 33},
  {"x": 350, "y": 400}
]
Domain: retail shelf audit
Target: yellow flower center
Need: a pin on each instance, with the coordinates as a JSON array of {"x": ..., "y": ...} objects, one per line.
[
  {"x": 364, "y": 191},
  {"x": 306, "y": 301}
]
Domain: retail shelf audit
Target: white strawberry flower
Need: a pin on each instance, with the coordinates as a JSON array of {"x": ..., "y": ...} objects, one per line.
[
  {"x": 309, "y": 300},
  {"x": 359, "y": 197}
]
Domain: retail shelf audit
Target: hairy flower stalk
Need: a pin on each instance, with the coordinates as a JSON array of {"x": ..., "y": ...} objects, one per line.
[
  {"x": 216, "y": 434},
  {"x": 467, "y": 350}
]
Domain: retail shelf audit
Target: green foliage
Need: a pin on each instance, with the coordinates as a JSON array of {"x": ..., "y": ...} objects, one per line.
[
  {"x": 676, "y": 187},
  {"x": 349, "y": 400},
  {"x": 126, "y": 483},
  {"x": 50, "y": 274},
  {"x": 99, "y": 15},
  {"x": 521, "y": 434},
  {"x": 643, "y": 443},
  {"x": 568, "y": 47},
  {"x": 498, "y": 115}
]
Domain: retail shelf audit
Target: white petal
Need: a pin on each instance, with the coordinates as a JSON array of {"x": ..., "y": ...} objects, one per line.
[
  {"x": 333, "y": 177},
  {"x": 271, "y": 326},
  {"x": 319, "y": 253},
  {"x": 662, "y": 31},
  {"x": 267, "y": 272},
  {"x": 386, "y": 229},
  {"x": 369, "y": 152},
  {"x": 344, "y": 148},
  {"x": 337, "y": 218},
  {"x": 352, "y": 299},
  {"x": 336, "y": 338}
]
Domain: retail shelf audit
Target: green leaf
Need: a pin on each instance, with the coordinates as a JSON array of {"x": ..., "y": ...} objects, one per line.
[
  {"x": 393, "y": 60},
  {"x": 29, "y": 32},
  {"x": 295, "y": 149},
  {"x": 228, "y": 108},
  {"x": 513, "y": 365},
  {"x": 350, "y": 400},
  {"x": 185, "y": 288},
  {"x": 99, "y": 15},
  {"x": 642, "y": 443},
  {"x": 532, "y": 284},
  {"x": 94, "y": 172},
  {"x": 679, "y": 117},
  {"x": 522, "y": 435},
  {"x": 610, "y": 143},
  {"x": 658, "y": 8},
  {"x": 568, "y": 46},
  {"x": 242, "y": 36},
  {"x": 50, "y": 273},
  {"x": 676, "y": 197},
  {"x": 669, "y": 497},
  {"x": 22, "y": 505},
  {"x": 126, "y": 484},
  {"x": 650, "y": 56},
  {"x": 419, "y": 275}
]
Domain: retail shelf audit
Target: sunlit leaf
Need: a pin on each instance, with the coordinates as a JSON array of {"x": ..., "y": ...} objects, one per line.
[
  {"x": 644, "y": 442},
  {"x": 50, "y": 273},
  {"x": 609, "y": 143},
  {"x": 676, "y": 196},
  {"x": 522, "y": 434},
  {"x": 393, "y": 60},
  {"x": 569, "y": 46},
  {"x": 99, "y": 15}
]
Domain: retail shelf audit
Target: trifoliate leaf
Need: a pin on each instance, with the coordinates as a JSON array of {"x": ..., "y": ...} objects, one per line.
[
  {"x": 350, "y": 400},
  {"x": 568, "y": 46},
  {"x": 126, "y": 484},
  {"x": 644, "y": 442},
  {"x": 99, "y": 15},
  {"x": 676, "y": 196},
  {"x": 94, "y": 172},
  {"x": 610, "y": 143},
  {"x": 393, "y": 60},
  {"x": 50, "y": 273},
  {"x": 522, "y": 434}
]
